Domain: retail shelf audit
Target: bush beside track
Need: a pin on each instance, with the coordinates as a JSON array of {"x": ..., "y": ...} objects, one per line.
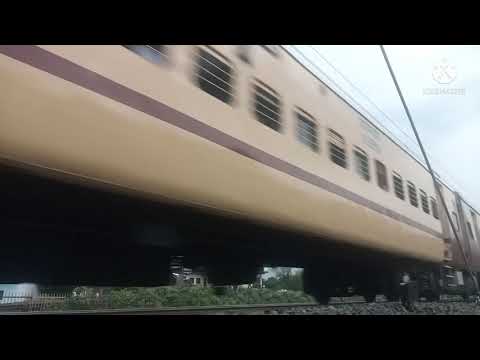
[{"x": 176, "y": 297}]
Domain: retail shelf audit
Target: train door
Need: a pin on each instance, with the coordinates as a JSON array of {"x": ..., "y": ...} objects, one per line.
[
  {"x": 475, "y": 226},
  {"x": 439, "y": 212},
  {"x": 463, "y": 231},
  {"x": 447, "y": 234}
]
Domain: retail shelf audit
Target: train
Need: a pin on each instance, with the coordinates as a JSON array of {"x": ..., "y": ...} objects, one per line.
[{"x": 116, "y": 158}]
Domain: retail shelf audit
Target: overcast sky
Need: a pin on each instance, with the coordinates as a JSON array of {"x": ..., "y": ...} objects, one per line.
[{"x": 449, "y": 124}]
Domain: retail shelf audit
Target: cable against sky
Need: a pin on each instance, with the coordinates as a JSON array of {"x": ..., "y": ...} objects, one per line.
[{"x": 439, "y": 165}]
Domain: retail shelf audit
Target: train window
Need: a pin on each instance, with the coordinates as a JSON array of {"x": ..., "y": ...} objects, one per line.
[
  {"x": 412, "y": 194},
  {"x": 398, "y": 186},
  {"x": 272, "y": 49},
  {"x": 161, "y": 49},
  {"x": 424, "y": 199},
  {"x": 214, "y": 75},
  {"x": 382, "y": 179},
  {"x": 306, "y": 130},
  {"x": 455, "y": 218},
  {"x": 243, "y": 52},
  {"x": 433, "y": 205},
  {"x": 337, "y": 148},
  {"x": 154, "y": 53},
  {"x": 267, "y": 106},
  {"x": 361, "y": 163}
]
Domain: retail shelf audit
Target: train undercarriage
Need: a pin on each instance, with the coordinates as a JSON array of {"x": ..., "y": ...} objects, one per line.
[
  {"x": 406, "y": 286},
  {"x": 55, "y": 233}
]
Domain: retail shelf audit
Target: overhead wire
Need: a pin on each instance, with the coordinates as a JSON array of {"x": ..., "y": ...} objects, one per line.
[
  {"x": 432, "y": 173},
  {"x": 363, "y": 111},
  {"x": 372, "y": 118},
  {"x": 393, "y": 122}
]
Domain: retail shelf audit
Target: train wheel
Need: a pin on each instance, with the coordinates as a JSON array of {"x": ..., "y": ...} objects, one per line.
[
  {"x": 323, "y": 300},
  {"x": 392, "y": 297},
  {"x": 316, "y": 283},
  {"x": 370, "y": 289},
  {"x": 320, "y": 297},
  {"x": 409, "y": 295},
  {"x": 469, "y": 287},
  {"x": 392, "y": 286},
  {"x": 370, "y": 298},
  {"x": 433, "y": 297}
]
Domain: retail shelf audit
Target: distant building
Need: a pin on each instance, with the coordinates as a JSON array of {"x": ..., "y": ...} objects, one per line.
[
  {"x": 196, "y": 279},
  {"x": 189, "y": 277},
  {"x": 12, "y": 293}
]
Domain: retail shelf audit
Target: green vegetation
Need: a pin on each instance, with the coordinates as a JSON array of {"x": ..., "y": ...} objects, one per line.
[
  {"x": 177, "y": 296},
  {"x": 284, "y": 287}
]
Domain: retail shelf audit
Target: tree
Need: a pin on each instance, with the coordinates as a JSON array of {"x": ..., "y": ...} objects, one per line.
[
  {"x": 281, "y": 272},
  {"x": 285, "y": 279}
]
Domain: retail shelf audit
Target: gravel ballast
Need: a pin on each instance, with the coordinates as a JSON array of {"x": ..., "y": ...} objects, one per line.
[
  {"x": 445, "y": 307},
  {"x": 448, "y": 306},
  {"x": 384, "y": 309}
]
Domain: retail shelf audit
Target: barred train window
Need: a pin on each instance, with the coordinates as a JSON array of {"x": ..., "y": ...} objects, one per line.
[
  {"x": 161, "y": 49},
  {"x": 398, "y": 186},
  {"x": 433, "y": 205},
  {"x": 272, "y": 49},
  {"x": 382, "y": 179},
  {"x": 412, "y": 194},
  {"x": 361, "y": 163},
  {"x": 243, "y": 52},
  {"x": 267, "y": 106},
  {"x": 424, "y": 199},
  {"x": 306, "y": 130},
  {"x": 154, "y": 53},
  {"x": 337, "y": 148},
  {"x": 213, "y": 74}
]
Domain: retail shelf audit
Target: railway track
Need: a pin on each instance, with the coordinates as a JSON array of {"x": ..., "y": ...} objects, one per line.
[
  {"x": 219, "y": 309},
  {"x": 197, "y": 310}
]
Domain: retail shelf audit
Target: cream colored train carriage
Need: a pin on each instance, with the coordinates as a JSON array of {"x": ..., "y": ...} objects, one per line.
[{"x": 242, "y": 134}]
